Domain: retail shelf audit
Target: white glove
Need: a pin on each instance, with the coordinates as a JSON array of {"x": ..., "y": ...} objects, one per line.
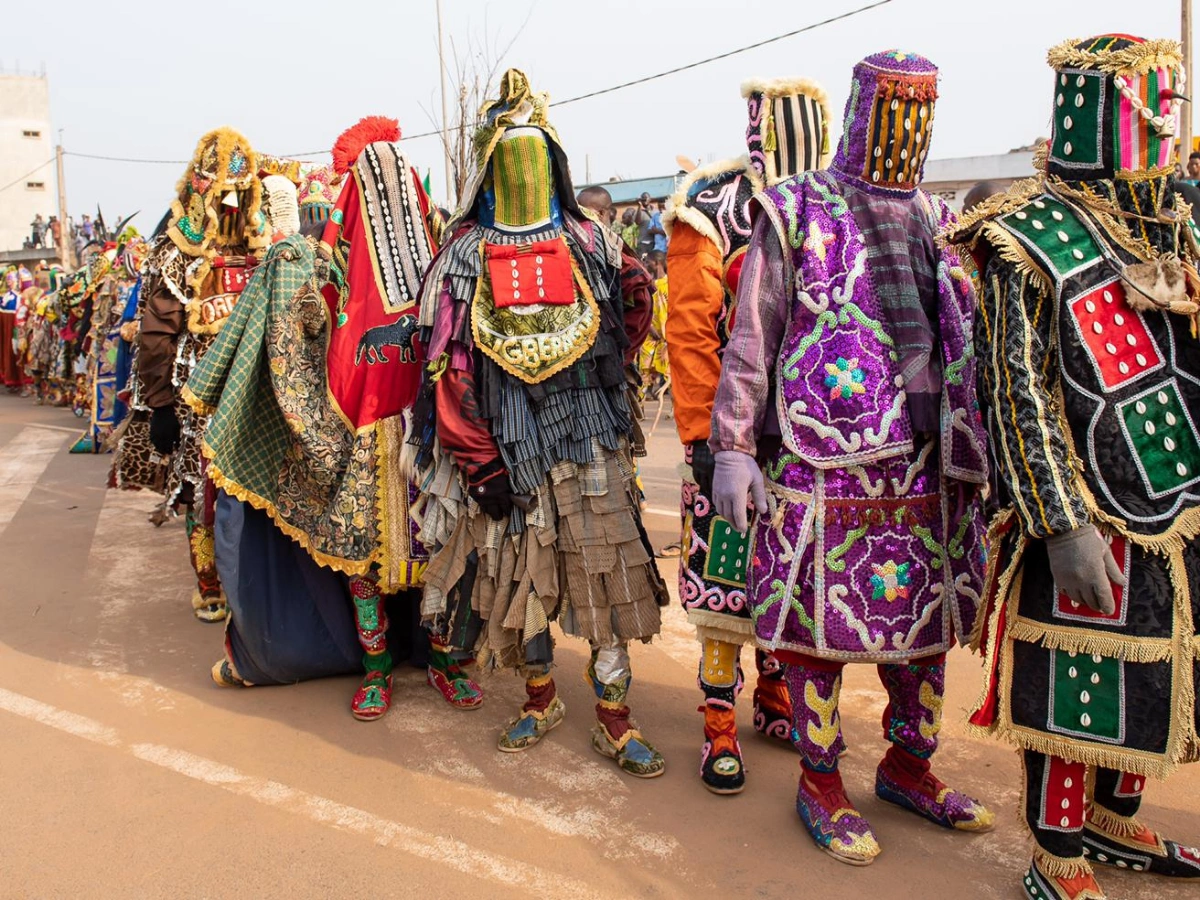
[{"x": 737, "y": 481}]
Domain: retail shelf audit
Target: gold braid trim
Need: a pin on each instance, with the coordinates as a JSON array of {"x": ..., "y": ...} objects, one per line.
[
  {"x": 1111, "y": 823},
  {"x": 1061, "y": 867},
  {"x": 1077, "y": 640},
  {"x": 1135, "y": 59}
]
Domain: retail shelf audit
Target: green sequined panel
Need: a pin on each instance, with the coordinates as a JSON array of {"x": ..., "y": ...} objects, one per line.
[
  {"x": 727, "y": 554},
  {"x": 1163, "y": 437},
  {"x": 1055, "y": 235},
  {"x": 1087, "y": 697}
]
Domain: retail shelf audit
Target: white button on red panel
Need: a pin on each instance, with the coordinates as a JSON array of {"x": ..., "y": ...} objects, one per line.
[{"x": 1120, "y": 346}]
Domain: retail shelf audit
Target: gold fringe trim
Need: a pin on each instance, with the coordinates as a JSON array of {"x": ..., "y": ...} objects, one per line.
[
  {"x": 1058, "y": 866},
  {"x": 1078, "y": 640},
  {"x": 1112, "y": 824},
  {"x": 1018, "y": 194},
  {"x": 721, "y": 627},
  {"x": 1010, "y": 250},
  {"x": 198, "y": 406},
  {"x": 337, "y": 563},
  {"x": 1136, "y": 59}
]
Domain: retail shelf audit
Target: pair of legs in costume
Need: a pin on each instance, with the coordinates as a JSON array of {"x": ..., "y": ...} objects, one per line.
[
  {"x": 721, "y": 680},
  {"x": 1079, "y": 817},
  {"x": 374, "y": 696},
  {"x": 208, "y": 600},
  {"x": 911, "y": 723},
  {"x": 614, "y": 735}
]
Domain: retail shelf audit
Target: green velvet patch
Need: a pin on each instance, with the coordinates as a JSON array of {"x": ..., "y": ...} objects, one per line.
[
  {"x": 1163, "y": 439},
  {"x": 1078, "y": 106},
  {"x": 1088, "y": 695},
  {"x": 1054, "y": 234},
  {"x": 727, "y": 554}
]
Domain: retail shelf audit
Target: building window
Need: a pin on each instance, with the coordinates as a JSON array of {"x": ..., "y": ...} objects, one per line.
[
  {"x": 31, "y": 134},
  {"x": 35, "y": 185}
]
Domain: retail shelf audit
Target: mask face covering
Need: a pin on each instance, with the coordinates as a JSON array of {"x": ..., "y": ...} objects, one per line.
[
  {"x": 787, "y": 131},
  {"x": 1115, "y": 107},
  {"x": 522, "y": 180},
  {"x": 889, "y": 121}
]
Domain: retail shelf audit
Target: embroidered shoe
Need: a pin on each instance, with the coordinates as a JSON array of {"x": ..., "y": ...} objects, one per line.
[
  {"x": 373, "y": 698},
  {"x": 932, "y": 800},
  {"x": 531, "y": 726},
  {"x": 210, "y": 608},
  {"x": 721, "y": 767},
  {"x": 1072, "y": 881},
  {"x": 1125, "y": 843},
  {"x": 832, "y": 821},
  {"x": 224, "y": 674},
  {"x": 456, "y": 687},
  {"x": 634, "y": 754}
]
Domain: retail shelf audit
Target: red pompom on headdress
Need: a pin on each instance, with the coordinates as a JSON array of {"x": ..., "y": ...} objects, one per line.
[{"x": 348, "y": 147}]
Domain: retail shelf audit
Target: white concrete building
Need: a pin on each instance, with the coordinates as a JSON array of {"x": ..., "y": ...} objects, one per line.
[
  {"x": 950, "y": 179},
  {"x": 27, "y": 170}
]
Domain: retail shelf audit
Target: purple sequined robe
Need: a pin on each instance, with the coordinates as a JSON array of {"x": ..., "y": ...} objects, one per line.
[{"x": 872, "y": 549}]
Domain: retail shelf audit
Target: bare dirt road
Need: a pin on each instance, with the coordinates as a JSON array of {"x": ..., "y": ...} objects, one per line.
[{"x": 125, "y": 773}]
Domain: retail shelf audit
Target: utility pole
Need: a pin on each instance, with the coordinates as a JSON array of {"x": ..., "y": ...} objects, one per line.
[
  {"x": 1185, "y": 131},
  {"x": 451, "y": 192},
  {"x": 67, "y": 249}
]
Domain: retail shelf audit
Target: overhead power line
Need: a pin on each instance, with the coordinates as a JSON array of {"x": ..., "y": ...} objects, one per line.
[{"x": 590, "y": 94}]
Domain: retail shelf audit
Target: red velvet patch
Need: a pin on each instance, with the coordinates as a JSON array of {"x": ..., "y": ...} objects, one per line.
[{"x": 531, "y": 273}]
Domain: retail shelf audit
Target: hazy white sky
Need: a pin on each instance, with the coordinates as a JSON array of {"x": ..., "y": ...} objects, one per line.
[{"x": 145, "y": 80}]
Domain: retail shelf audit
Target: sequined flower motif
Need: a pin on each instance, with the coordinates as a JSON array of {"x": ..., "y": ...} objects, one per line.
[
  {"x": 844, "y": 379},
  {"x": 890, "y": 580}
]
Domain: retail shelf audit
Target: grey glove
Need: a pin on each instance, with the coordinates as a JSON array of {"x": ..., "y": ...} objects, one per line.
[
  {"x": 736, "y": 476},
  {"x": 1084, "y": 568}
]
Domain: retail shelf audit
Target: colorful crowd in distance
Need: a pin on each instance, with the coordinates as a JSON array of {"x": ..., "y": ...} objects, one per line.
[{"x": 399, "y": 436}]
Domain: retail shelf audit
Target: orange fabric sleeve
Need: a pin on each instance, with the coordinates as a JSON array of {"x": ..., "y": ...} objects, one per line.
[{"x": 694, "y": 297}]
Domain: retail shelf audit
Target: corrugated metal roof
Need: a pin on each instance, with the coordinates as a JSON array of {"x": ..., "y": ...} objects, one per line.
[{"x": 628, "y": 191}]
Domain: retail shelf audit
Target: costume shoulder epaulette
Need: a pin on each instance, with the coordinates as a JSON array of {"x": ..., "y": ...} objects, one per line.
[
  {"x": 1030, "y": 227},
  {"x": 688, "y": 204}
]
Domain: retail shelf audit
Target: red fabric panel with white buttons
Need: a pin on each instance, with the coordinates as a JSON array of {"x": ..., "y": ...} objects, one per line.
[
  {"x": 1063, "y": 795},
  {"x": 528, "y": 274},
  {"x": 1115, "y": 335},
  {"x": 1066, "y": 608}
]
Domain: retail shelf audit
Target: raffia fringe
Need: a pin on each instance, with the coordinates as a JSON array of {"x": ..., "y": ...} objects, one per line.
[
  {"x": 1072, "y": 640},
  {"x": 1059, "y": 867},
  {"x": 721, "y": 627},
  {"x": 1111, "y": 823}
]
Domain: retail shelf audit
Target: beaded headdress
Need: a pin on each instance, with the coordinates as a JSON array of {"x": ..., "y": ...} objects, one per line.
[
  {"x": 223, "y": 175},
  {"x": 1116, "y": 103},
  {"x": 319, "y": 188},
  {"x": 788, "y": 131},
  {"x": 888, "y": 123}
]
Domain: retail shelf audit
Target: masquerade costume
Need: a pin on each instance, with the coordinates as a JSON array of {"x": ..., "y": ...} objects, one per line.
[
  {"x": 869, "y": 546},
  {"x": 532, "y": 312},
  {"x": 195, "y": 272},
  {"x": 1090, "y": 369},
  {"x": 709, "y": 223}
]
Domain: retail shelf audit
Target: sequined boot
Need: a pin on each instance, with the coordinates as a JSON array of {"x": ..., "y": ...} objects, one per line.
[
  {"x": 772, "y": 706},
  {"x": 448, "y": 679},
  {"x": 541, "y": 714},
  {"x": 208, "y": 600},
  {"x": 1055, "y": 794},
  {"x": 720, "y": 678},
  {"x": 911, "y": 722},
  {"x": 1114, "y": 836},
  {"x": 615, "y": 735},
  {"x": 374, "y": 696},
  {"x": 832, "y": 821}
]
